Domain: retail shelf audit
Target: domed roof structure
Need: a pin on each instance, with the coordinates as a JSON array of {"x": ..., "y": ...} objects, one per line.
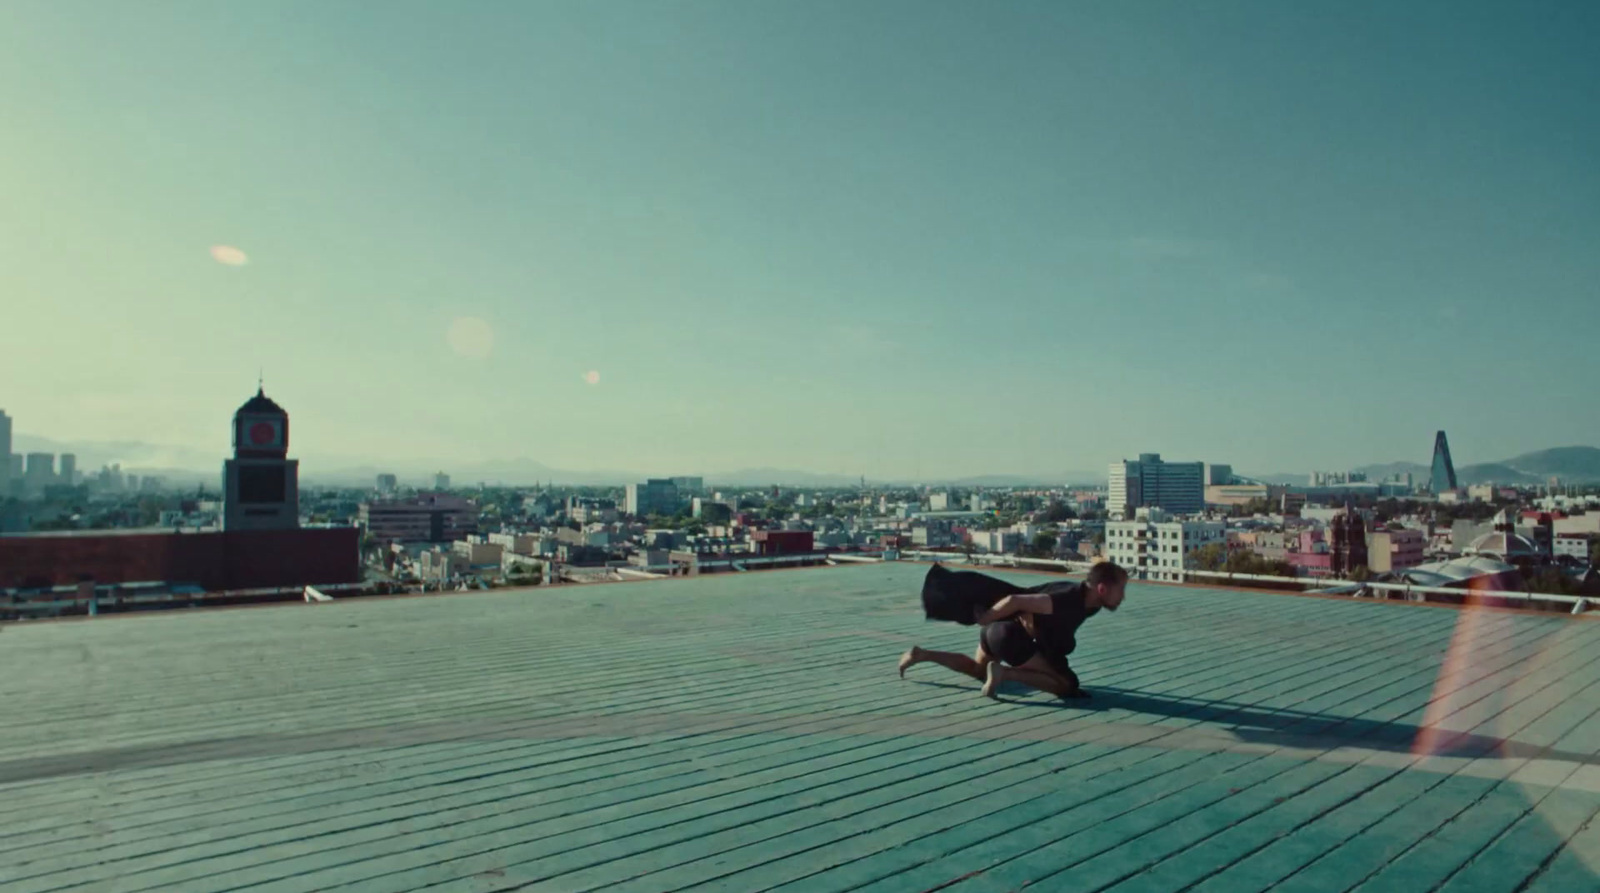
[
  {"x": 1459, "y": 571},
  {"x": 1501, "y": 545},
  {"x": 260, "y": 404}
]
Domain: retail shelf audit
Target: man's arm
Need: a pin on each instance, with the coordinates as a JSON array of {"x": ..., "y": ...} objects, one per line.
[{"x": 1030, "y": 603}]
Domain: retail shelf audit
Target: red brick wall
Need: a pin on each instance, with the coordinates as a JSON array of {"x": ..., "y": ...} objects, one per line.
[{"x": 214, "y": 560}]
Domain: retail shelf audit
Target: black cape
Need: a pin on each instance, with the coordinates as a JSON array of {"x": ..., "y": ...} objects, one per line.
[{"x": 959, "y": 596}]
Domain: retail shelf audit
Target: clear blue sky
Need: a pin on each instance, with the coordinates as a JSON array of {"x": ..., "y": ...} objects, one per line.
[{"x": 854, "y": 237}]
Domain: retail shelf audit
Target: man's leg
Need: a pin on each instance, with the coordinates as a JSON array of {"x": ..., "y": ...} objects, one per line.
[
  {"x": 968, "y": 666},
  {"x": 1036, "y": 672}
]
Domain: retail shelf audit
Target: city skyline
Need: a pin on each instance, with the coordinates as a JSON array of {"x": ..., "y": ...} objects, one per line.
[
  {"x": 525, "y": 470},
  {"x": 887, "y": 240}
]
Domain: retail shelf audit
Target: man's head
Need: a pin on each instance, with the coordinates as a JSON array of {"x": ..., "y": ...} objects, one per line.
[{"x": 1106, "y": 584}]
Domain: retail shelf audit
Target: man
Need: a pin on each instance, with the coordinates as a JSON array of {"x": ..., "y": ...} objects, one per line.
[{"x": 1028, "y": 635}]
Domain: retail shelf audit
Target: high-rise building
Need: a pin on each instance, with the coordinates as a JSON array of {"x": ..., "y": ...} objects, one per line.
[
  {"x": 5, "y": 454},
  {"x": 441, "y": 481},
  {"x": 388, "y": 483},
  {"x": 656, "y": 496},
  {"x": 260, "y": 484},
  {"x": 109, "y": 480},
  {"x": 39, "y": 473},
  {"x": 69, "y": 469},
  {"x": 1219, "y": 475},
  {"x": 1444, "y": 471},
  {"x": 689, "y": 485},
  {"x": 1177, "y": 487}
]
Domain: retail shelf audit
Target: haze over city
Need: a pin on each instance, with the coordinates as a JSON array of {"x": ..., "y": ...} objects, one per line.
[
  {"x": 889, "y": 239},
  {"x": 853, "y": 446}
]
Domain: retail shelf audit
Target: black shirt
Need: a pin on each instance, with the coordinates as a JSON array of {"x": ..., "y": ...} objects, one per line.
[{"x": 1056, "y": 633}]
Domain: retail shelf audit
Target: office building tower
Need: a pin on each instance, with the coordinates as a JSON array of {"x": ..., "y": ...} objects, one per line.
[
  {"x": 69, "y": 469},
  {"x": 656, "y": 496},
  {"x": 441, "y": 481},
  {"x": 1177, "y": 487},
  {"x": 689, "y": 485},
  {"x": 388, "y": 483}
]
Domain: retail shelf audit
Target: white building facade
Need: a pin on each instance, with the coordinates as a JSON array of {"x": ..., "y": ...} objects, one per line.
[
  {"x": 1573, "y": 545},
  {"x": 1000, "y": 542},
  {"x": 1158, "y": 549}
]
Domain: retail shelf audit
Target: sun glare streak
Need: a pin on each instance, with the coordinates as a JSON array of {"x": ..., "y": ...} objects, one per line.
[
  {"x": 1455, "y": 689},
  {"x": 1460, "y": 704},
  {"x": 1475, "y": 626}
]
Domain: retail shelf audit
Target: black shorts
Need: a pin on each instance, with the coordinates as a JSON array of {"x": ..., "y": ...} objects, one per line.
[{"x": 1008, "y": 641}]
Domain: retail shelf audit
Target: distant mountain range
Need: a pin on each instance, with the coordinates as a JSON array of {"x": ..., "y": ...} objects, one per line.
[
  {"x": 789, "y": 478},
  {"x": 1574, "y": 464},
  {"x": 183, "y": 466}
]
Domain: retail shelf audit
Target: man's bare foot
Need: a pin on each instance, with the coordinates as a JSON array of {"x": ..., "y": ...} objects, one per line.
[
  {"x": 910, "y": 657},
  {"x": 991, "y": 684}
]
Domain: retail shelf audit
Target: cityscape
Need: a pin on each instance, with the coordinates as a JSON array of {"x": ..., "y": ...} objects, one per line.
[
  {"x": 1166, "y": 521},
  {"x": 799, "y": 447}
]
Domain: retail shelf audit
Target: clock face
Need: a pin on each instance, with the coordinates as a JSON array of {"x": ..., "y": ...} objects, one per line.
[{"x": 263, "y": 434}]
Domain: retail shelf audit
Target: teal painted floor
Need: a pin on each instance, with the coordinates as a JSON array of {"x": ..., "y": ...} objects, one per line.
[{"x": 748, "y": 733}]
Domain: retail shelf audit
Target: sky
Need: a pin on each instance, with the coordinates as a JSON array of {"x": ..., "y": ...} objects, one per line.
[{"x": 884, "y": 238}]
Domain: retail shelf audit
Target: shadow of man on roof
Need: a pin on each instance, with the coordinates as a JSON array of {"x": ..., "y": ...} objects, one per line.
[{"x": 1302, "y": 729}]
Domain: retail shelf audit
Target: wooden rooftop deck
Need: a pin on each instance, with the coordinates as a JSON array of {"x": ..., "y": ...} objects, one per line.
[{"x": 748, "y": 733}]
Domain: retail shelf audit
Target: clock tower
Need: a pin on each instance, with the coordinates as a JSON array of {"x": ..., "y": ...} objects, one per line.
[{"x": 261, "y": 485}]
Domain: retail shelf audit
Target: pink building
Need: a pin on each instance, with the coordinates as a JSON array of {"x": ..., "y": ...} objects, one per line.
[
  {"x": 1392, "y": 550},
  {"x": 1311, "y": 558},
  {"x": 1311, "y": 564}
]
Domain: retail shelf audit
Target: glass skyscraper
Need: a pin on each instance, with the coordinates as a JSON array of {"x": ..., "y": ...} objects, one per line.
[{"x": 1444, "y": 471}]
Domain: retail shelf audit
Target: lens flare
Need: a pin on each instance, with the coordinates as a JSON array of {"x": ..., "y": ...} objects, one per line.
[
  {"x": 1479, "y": 711},
  {"x": 470, "y": 336},
  {"x": 229, "y": 255},
  {"x": 1470, "y": 700},
  {"x": 592, "y": 377},
  {"x": 1475, "y": 627}
]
